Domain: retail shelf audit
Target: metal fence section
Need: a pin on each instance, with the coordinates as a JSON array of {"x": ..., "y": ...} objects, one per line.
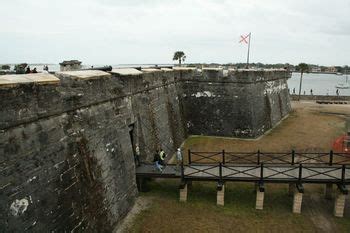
[
  {"x": 326, "y": 158},
  {"x": 259, "y": 167},
  {"x": 339, "y": 174}
]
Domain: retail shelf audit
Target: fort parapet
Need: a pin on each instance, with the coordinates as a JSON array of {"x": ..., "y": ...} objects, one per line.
[{"x": 67, "y": 140}]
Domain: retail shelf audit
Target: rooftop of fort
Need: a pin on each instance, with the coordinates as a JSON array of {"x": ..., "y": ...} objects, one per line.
[{"x": 14, "y": 80}]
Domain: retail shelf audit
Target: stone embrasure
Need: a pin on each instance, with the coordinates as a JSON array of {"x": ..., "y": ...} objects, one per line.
[{"x": 75, "y": 135}]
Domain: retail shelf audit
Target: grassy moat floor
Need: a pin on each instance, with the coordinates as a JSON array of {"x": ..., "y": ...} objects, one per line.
[{"x": 310, "y": 127}]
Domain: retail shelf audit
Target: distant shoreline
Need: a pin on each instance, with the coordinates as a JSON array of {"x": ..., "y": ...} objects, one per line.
[{"x": 320, "y": 72}]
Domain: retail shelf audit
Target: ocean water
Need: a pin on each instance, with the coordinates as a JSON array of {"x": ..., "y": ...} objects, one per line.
[{"x": 321, "y": 84}]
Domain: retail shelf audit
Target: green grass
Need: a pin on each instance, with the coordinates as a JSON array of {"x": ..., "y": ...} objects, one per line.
[
  {"x": 192, "y": 140},
  {"x": 200, "y": 212}
]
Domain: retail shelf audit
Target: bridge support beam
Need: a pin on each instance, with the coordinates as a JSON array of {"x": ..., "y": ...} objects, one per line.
[
  {"x": 220, "y": 196},
  {"x": 291, "y": 189},
  {"x": 298, "y": 198},
  {"x": 256, "y": 186},
  {"x": 189, "y": 184},
  {"x": 339, "y": 203},
  {"x": 328, "y": 191},
  {"x": 141, "y": 183},
  {"x": 259, "y": 205},
  {"x": 183, "y": 192}
]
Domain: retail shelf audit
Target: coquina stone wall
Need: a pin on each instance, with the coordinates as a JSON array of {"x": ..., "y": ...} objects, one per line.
[
  {"x": 66, "y": 154},
  {"x": 67, "y": 140},
  {"x": 235, "y": 103}
]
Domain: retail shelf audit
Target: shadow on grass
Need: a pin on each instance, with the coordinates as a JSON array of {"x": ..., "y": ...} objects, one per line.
[
  {"x": 239, "y": 197},
  {"x": 201, "y": 210}
]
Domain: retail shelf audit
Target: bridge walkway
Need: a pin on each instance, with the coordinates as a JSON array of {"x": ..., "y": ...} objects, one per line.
[{"x": 292, "y": 168}]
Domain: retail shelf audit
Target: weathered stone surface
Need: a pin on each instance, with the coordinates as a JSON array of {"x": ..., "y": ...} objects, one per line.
[
  {"x": 84, "y": 74},
  {"x": 242, "y": 104},
  {"x": 66, "y": 149},
  {"x": 259, "y": 205},
  {"x": 151, "y": 70},
  {"x": 297, "y": 201},
  {"x": 183, "y": 193},
  {"x": 126, "y": 71},
  {"x": 74, "y": 140},
  {"x": 17, "y": 79},
  {"x": 220, "y": 196},
  {"x": 339, "y": 204}
]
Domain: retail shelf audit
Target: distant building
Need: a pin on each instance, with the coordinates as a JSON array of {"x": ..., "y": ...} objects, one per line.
[
  {"x": 316, "y": 69},
  {"x": 331, "y": 69},
  {"x": 292, "y": 69},
  {"x": 70, "y": 65}
]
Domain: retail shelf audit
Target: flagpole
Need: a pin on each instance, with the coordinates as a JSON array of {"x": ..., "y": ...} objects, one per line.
[{"x": 250, "y": 35}]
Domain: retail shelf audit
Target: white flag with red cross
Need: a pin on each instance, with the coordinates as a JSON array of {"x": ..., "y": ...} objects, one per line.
[{"x": 246, "y": 39}]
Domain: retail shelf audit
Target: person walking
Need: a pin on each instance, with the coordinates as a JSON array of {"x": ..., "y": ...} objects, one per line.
[
  {"x": 156, "y": 160},
  {"x": 178, "y": 159},
  {"x": 162, "y": 156},
  {"x": 137, "y": 155},
  {"x": 311, "y": 93}
]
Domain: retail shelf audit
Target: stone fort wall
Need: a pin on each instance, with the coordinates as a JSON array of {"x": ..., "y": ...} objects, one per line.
[
  {"x": 243, "y": 103},
  {"x": 66, "y": 140}
]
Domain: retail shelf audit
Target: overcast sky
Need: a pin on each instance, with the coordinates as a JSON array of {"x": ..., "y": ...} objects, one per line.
[{"x": 141, "y": 31}]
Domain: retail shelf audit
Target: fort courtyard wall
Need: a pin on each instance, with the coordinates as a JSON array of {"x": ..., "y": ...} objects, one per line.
[{"x": 67, "y": 140}]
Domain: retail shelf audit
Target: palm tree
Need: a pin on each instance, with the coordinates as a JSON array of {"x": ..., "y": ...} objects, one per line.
[
  {"x": 303, "y": 67},
  {"x": 180, "y": 56}
]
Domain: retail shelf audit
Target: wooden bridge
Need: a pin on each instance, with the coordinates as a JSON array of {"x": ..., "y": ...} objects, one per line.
[{"x": 292, "y": 168}]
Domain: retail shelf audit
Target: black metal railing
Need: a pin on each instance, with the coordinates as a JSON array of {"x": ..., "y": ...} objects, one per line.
[
  {"x": 298, "y": 173},
  {"x": 293, "y": 157}
]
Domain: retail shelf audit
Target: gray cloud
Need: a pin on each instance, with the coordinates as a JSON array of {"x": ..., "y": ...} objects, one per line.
[{"x": 113, "y": 32}]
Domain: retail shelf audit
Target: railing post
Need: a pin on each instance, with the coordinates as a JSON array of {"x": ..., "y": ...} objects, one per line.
[
  {"x": 223, "y": 156},
  {"x": 189, "y": 157},
  {"x": 331, "y": 158},
  {"x": 343, "y": 174},
  {"x": 220, "y": 171},
  {"x": 258, "y": 157},
  {"x": 300, "y": 173},
  {"x": 261, "y": 173},
  {"x": 293, "y": 157}
]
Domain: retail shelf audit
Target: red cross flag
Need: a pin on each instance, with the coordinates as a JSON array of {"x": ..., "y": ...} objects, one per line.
[{"x": 246, "y": 39}]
